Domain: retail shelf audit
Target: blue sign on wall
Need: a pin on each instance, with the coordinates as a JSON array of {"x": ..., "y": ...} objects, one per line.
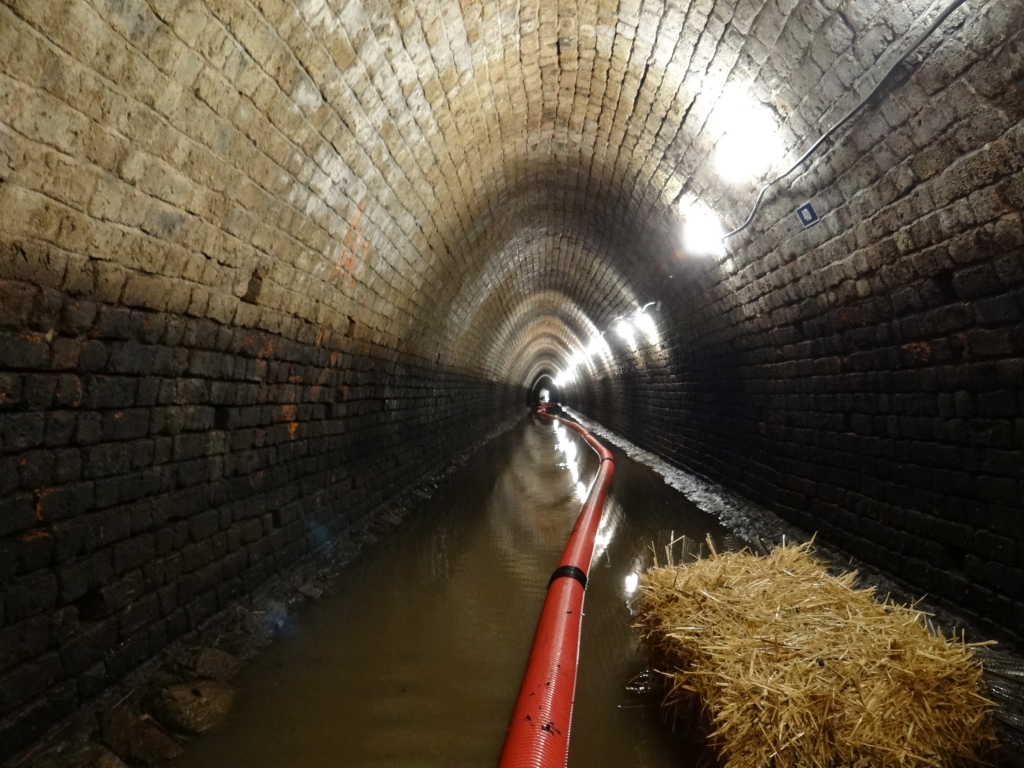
[{"x": 807, "y": 215}]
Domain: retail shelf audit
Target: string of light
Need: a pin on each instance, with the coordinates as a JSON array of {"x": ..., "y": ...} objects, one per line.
[{"x": 625, "y": 327}]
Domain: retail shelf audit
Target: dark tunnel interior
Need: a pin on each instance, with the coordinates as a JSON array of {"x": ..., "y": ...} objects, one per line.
[{"x": 264, "y": 264}]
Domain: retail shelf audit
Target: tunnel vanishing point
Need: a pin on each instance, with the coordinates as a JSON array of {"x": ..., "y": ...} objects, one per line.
[{"x": 265, "y": 263}]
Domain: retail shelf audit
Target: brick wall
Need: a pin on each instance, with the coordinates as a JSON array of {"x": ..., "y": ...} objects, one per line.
[{"x": 156, "y": 468}]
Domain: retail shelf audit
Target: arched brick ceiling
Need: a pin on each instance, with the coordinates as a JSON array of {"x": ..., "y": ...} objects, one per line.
[
  {"x": 400, "y": 155},
  {"x": 492, "y": 199},
  {"x": 413, "y": 173},
  {"x": 492, "y": 151},
  {"x": 454, "y": 159}
]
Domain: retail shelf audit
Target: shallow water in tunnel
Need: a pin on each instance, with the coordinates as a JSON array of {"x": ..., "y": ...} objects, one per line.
[{"x": 417, "y": 660}]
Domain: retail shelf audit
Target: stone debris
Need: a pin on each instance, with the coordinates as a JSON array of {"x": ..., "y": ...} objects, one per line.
[
  {"x": 104, "y": 758},
  {"x": 267, "y": 620},
  {"x": 216, "y": 665},
  {"x": 137, "y": 738},
  {"x": 194, "y": 707},
  {"x": 310, "y": 590}
]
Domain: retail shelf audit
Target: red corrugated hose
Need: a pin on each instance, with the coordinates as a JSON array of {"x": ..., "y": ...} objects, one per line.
[{"x": 538, "y": 734}]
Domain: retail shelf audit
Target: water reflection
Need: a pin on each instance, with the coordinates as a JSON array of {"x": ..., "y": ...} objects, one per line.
[
  {"x": 535, "y": 505},
  {"x": 610, "y": 522},
  {"x": 632, "y": 580},
  {"x": 569, "y": 443},
  {"x": 416, "y": 662}
]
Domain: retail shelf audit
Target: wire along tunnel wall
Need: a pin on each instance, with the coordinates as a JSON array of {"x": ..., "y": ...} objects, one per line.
[{"x": 538, "y": 734}]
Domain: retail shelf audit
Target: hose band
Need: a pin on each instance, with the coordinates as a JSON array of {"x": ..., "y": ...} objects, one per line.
[{"x": 570, "y": 571}]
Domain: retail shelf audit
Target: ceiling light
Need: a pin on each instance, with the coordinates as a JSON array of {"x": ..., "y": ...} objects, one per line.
[
  {"x": 646, "y": 324},
  {"x": 702, "y": 231},
  {"x": 625, "y": 330},
  {"x": 750, "y": 143}
]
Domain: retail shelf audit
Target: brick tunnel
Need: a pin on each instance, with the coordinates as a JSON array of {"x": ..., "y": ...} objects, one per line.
[{"x": 264, "y": 264}]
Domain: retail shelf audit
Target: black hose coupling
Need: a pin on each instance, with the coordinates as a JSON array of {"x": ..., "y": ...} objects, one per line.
[{"x": 569, "y": 571}]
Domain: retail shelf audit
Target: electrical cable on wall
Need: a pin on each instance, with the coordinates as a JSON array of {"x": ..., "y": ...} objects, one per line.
[{"x": 849, "y": 115}]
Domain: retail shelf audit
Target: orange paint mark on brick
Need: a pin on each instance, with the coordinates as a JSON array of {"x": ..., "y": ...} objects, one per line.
[
  {"x": 268, "y": 349},
  {"x": 853, "y": 317},
  {"x": 293, "y": 427},
  {"x": 35, "y": 535},
  {"x": 919, "y": 351},
  {"x": 314, "y": 392},
  {"x": 343, "y": 389},
  {"x": 288, "y": 412},
  {"x": 41, "y": 494}
]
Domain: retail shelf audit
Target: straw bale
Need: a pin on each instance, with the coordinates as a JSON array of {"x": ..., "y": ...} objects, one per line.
[{"x": 790, "y": 666}]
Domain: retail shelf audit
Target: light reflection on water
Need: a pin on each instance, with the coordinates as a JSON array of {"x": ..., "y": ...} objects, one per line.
[{"x": 418, "y": 659}]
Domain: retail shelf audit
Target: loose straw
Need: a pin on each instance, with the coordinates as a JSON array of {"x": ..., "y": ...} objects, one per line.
[{"x": 791, "y": 667}]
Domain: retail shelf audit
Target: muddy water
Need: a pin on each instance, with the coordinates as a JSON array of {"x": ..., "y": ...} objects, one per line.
[{"x": 418, "y": 659}]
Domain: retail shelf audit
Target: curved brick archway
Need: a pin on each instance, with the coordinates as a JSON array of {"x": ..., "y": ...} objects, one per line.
[{"x": 253, "y": 251}]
